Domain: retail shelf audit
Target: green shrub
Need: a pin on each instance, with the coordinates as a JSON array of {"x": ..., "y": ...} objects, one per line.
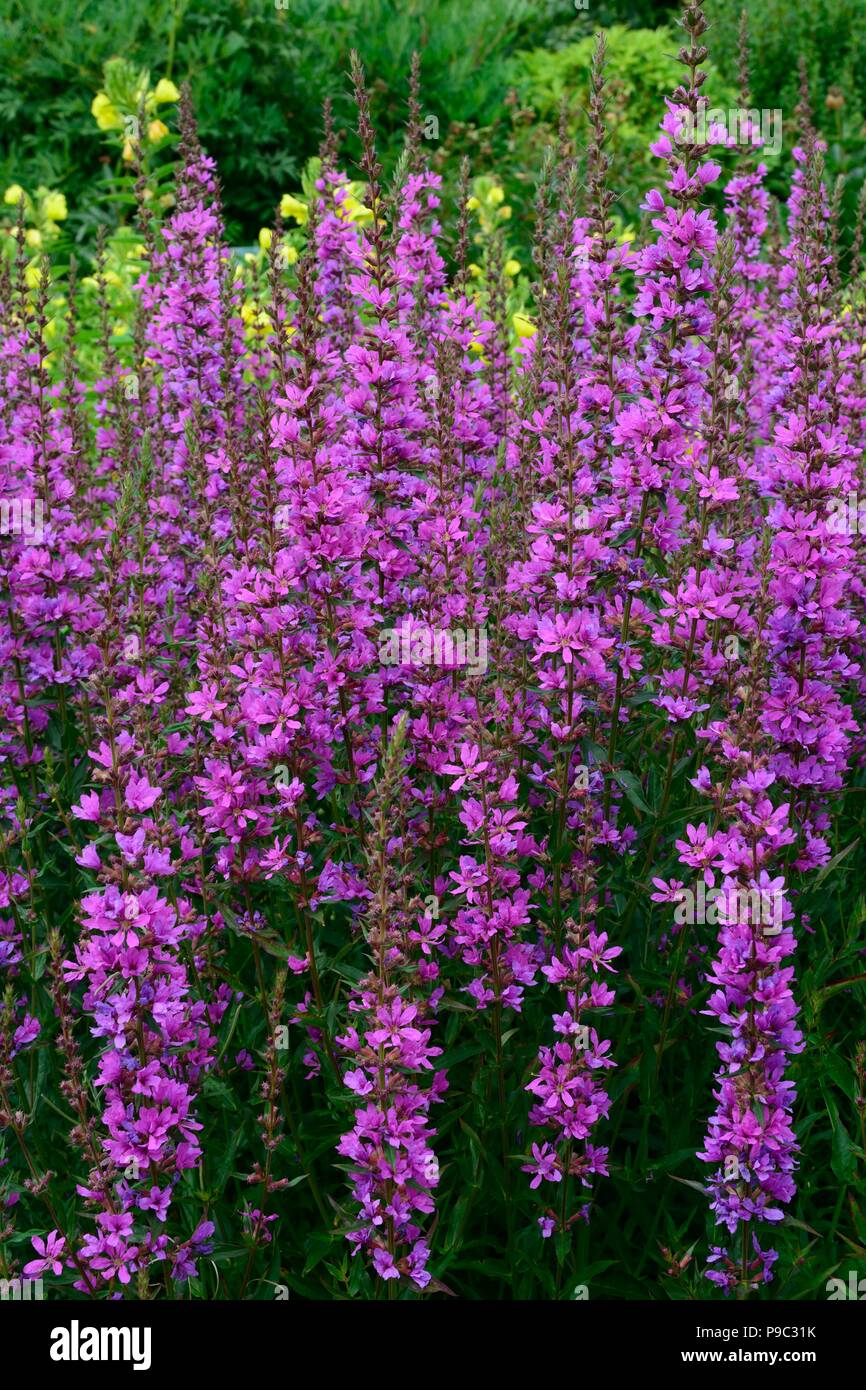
[
  {"x": 642, "y": 70},
  {"x": 259, "y": 76},
  {"x": 831, "y": 36}
]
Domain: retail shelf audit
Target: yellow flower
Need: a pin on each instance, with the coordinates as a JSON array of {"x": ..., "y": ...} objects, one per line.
[
  {"x": 289, "y": 255},
  {"x": 293, "y": 207},
  {"x": 475, "y": 346},
  {"x": 265, "y": 238},
  {"x": 165, "y": 91},
  {"x": 512, "y": 267},
  {"x": 475, "y": 270},
  {"x": 33, "y": 274},
  {"x": 13, "y": 195},
  {"x": 496, "y": 195},
  {"x": 355, "y": 211},
  {"x": 473, "y": 204},
  {"x": 258, "y": 323},
  {"x": 505, "y": 212},
  {"x": 33, "y": 236},
  {"x": 54, "y": 207},
  {"x": 156, "y": 131},
  {"x": 523, "y": 326},
  {"x": 107, "y": 116},
  {"x": 128, "y": 152}
]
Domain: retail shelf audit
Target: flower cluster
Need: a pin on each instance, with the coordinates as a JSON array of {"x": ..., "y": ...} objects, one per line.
[{"x": 250, "y": 864}]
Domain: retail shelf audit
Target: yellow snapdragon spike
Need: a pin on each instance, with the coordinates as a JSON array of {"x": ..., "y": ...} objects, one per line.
[
  {"x": 293, "y": 207},
  {"x": 165, "y": 91},
  {"x": 156, "y": 131},
  {"x": 107, "y": 115},
  {"x": 13, "y": 195},
  {"x": 265, "y": 238}
]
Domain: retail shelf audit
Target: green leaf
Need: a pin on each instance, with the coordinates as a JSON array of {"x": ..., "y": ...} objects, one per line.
[
  {"x": 632, "y": 788},
  {"x": 832, "y": 863},
  {"x": 843, "y": 1158},
  {"x": 840, "y": 1073}
]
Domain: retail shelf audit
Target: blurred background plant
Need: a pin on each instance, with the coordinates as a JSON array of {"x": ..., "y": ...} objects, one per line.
[
  {"x": 259, "y": 74},
  {"x": 495, "y": 74},
  {"x": 40, "y": 218},
  {"x": 830, "y": 36}
]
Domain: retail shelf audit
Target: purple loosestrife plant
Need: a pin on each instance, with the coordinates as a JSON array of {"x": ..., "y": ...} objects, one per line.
[
  {"x": 283, "y": 868},
  {"x": 388, "y": 1050}
]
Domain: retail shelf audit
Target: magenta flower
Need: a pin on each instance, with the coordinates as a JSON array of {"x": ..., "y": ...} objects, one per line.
[{"x": 50, "y": 1251}]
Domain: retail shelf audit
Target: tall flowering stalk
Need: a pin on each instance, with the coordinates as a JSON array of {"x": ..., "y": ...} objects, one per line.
[
  {"x": 394, "y": 1171},
  {"x": 750, "y": 1142},
  {"x": 566, "y": 575}
]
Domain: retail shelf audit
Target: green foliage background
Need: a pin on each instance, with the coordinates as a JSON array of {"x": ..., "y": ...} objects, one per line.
[
  {"x": 259, "y": 75},
  {"x": 493, "y": 73}
]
